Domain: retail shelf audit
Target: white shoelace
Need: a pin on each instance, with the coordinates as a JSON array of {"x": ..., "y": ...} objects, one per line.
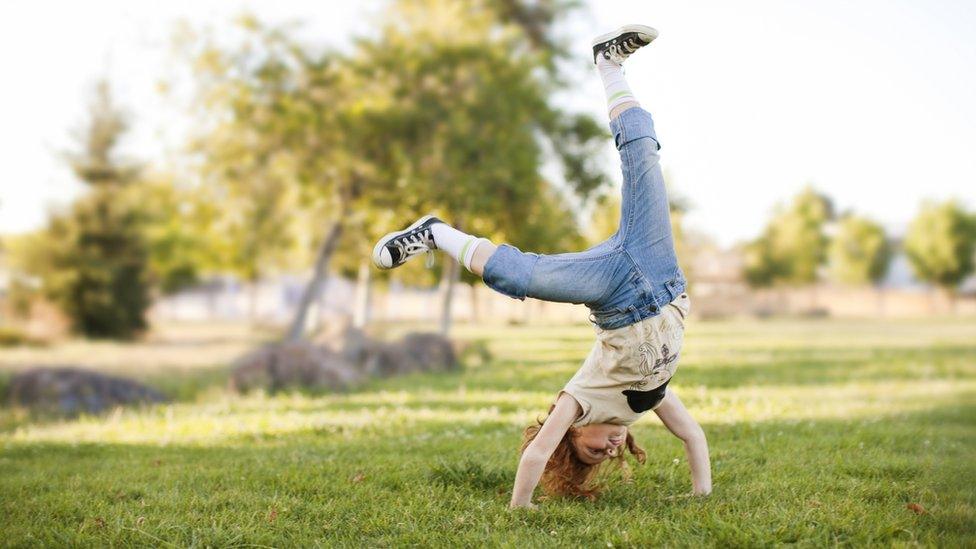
[
  {"x": 415, "y": 244},
  {"x": 619, "y": 52}
]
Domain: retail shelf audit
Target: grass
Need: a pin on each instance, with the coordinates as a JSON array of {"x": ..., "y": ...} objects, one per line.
[{"x": 822, "y": 433}]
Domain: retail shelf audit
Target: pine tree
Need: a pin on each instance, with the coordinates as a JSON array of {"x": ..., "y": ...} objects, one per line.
[{"x": 96, "y": 265}]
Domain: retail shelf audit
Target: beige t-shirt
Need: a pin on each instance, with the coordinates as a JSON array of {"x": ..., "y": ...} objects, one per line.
[{"x": 617, "y": 381}]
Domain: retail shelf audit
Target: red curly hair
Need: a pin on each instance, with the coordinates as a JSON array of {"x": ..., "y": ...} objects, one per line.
[{"x": 567, "y": 475}]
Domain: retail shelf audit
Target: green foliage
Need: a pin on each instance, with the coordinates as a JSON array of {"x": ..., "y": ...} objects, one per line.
[
  {"x": 550, "y": 226},
  {"x": 762, "y": 267},
  {"x": 178, "y": 228},
  {"x": 96, "y": 162},
  {"x": 467, "y": 112},
  {"x": 95, "y": 266},
  {"x": 859, "y": 253},
  {"x": 605, "y": 218},
  {"x": 247, "y": 165},
  {"x": 15, "y": 337},
  {"x": 793, "y": 245},
  {"x": 940, "y": 243},
  {"x": 92, "y": 259},
  {"x": 446, "y": 109}
]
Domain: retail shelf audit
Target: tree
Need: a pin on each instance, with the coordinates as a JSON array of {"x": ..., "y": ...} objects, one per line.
[
  {"x": 940, "y": 243},
  {"x": 859, "y": 252},
  {"x": 291, "y": 137},
  {"x": 178, "y": 223},
  {"x": 469, "y": 87},
  {"x": 245, "y": 164},
  {"x": 447, "y": 111},
  {"x": 94, "y": 260},
  {"x": 793, "y": 245}
]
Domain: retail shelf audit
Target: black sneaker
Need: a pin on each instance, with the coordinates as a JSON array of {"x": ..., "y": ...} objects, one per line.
[
  {"x": 619, "y": 44},
  {"x": 397, "y": 247}
]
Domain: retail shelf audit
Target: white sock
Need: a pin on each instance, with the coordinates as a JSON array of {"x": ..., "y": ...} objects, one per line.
[
  {"x": 460, "y": 246},
  {"x": 614, "y": 83}
]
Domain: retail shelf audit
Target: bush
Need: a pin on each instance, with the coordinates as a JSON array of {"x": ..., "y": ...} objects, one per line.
[
  {"x": 96, "y": 267},
  {"x": 14, "y": 337}
]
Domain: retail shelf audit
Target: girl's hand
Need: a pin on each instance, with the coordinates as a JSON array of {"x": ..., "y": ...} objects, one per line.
[
  {"x": 677, "y": 419},
  {"x": 536, "y": 455}
]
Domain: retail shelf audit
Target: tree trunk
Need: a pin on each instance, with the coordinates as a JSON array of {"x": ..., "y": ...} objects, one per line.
[
  {"x": 950, "y": 296},
  {"x": 326, "y": 250},
  {"x": 881, "y": 301},
  {"x": 211, "y": 301},
  {"x": 252, "y": 302},
  {"x": 449, "y": 280},
  {"x": 475, "y": 316},
  {"x": 320, "y": 304},
  {"x": 364, "y": 296}
]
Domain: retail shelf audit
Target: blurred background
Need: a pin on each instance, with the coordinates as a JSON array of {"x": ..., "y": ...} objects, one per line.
[
  {"x": 191, "y": 191},
  {"x": 189, "y": 162},
  {"x": 223, "y": 166}
]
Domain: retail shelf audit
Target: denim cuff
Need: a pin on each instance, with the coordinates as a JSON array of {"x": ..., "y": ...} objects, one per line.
[
  {"x": 509, "y": 271},
  {"x": 631, "y": 125}
]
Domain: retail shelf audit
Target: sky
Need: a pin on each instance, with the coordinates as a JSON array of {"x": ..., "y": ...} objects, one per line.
[{"x": 871, "y": 102}]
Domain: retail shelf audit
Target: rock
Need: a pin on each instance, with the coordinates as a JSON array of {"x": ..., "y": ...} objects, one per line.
[
  {"x": 383, "y": 360},
  {"x": 293, "y": 364},
  {"x": 253, "y": 370},
  {"x": 415, "y": 352},
  {"x": 429, "y": 352},
  {"x": 341, "y": 362},
  {"x": 72, "y": 391},
  {"x": 356, "y": 347}
]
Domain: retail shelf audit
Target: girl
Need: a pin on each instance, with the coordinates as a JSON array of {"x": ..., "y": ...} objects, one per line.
[{"x": 636, "y": 294}]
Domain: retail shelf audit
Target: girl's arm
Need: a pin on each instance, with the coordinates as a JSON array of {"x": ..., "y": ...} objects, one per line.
[
  {"x": 677, "y": 419},
  {"x": 536, "y": 455}
]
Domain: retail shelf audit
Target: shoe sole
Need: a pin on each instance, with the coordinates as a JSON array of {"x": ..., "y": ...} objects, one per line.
[
  {"x": 642, "y": 29},
  {"x": 386, "y": 238}
]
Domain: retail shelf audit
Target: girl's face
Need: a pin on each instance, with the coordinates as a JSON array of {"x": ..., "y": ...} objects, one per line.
[{"x": 598, "y": 441}]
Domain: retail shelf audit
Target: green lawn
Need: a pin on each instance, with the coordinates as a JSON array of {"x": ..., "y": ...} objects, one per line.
[{"x": 822, "y": 433}]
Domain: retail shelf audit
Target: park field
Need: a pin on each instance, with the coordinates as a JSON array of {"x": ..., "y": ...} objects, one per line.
[{"x": 822, "y": 432}]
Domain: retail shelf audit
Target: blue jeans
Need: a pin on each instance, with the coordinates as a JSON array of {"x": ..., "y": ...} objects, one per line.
[{"x": 630, "y": 276}]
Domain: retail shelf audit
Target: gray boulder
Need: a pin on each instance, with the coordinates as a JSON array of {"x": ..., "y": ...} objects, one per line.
[
  {"x": 356, "y": 347},
  {"x": 415, "y": 352},
  {"x": 340, "y": 362},
  {"x": 72, "y": 391},
  {"x": 293, "y": 364},
  {"x": 425, "y": 352}
]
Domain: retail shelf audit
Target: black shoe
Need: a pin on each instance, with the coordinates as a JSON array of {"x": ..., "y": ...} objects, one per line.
[
  {"x": 397, "y": 247},
  {"x": 619, "y": 44}
]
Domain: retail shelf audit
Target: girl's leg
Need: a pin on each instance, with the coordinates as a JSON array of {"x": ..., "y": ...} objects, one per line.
[
  {"x": 603, "y": 276},
  {"x": 594, "y": 275},
  {"x": 645, "y": 219},
  {"x": 423, "y": 237},
  {"x": 619, "y": 96},
  {"x": 580, "y": 277},
  {"x": 644, "y": 234},
  {"x": 482, "y": 254}
]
